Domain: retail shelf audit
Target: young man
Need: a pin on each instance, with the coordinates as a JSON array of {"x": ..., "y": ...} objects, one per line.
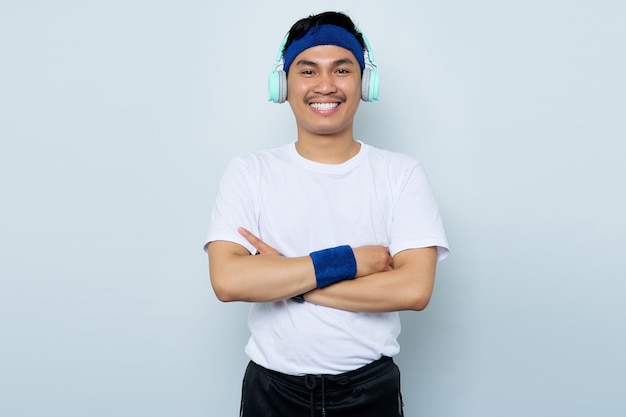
[{"x": 328, "y": 237}]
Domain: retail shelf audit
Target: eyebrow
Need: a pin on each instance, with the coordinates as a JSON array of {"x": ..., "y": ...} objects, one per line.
[{"x": 343, "y": 61}]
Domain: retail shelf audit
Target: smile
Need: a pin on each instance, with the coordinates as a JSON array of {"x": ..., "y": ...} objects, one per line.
[{"x": 324, "y": 106}]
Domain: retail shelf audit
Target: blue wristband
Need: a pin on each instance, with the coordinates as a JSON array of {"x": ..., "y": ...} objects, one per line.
[{"x": 333, "y": 265}]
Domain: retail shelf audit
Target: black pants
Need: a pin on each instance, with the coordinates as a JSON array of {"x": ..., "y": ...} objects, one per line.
[{"x": 370, "y": 391}]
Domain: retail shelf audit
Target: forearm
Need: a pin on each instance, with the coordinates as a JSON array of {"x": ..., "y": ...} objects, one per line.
[
  {"x": 376, "y": 293},
  {"x": 238, "y": 276},
  {"x": 408, "y": 287}
]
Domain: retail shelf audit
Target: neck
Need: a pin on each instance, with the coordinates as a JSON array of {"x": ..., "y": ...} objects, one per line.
[{"x": 327, "y": 149}]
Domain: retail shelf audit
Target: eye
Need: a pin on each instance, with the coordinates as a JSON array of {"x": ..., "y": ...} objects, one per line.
[{"x": 343, "y": 71}]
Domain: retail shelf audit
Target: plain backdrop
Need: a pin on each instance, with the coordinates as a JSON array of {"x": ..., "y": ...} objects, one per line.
[{"x": 118, "y": 117}]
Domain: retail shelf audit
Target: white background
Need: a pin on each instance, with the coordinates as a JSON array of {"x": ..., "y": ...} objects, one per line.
[{"x": 118, "y": 117}]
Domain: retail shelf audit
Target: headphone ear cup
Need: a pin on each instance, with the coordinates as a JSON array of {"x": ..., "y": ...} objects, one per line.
[
  {"x": 277, "y": 87},
  {"x": 365, "y": 84},
  {"x": 369, "y": 85}
]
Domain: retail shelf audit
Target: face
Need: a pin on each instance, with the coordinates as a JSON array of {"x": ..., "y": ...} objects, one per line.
[{"x": 324, "y": 90}]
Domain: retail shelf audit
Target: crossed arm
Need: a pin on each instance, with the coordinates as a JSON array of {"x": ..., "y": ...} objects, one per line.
[{"x": 382, "y": 283}]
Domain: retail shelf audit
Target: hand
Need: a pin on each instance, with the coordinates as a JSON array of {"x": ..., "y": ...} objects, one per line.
[
  {"x": 261, "y": 247},
  {"x": 372, "y": 259}
]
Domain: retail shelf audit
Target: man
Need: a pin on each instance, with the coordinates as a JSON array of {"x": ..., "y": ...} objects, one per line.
[{"x": 328, "y": 237}]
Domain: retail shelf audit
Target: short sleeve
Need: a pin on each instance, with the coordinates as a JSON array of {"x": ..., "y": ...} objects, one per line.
[
  {"x": 235, "y": 205},
  {"x": 416, "y": 221}
]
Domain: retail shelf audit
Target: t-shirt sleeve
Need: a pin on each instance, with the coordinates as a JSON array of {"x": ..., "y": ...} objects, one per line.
[
  {"x": 416, "y": 219},
  {"x": 234, "y": 205}
]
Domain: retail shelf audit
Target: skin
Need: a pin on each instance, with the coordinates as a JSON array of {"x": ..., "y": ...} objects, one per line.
[
  {"x": 321, "y": 76},
  {"x": 325, "y": 74},
  {"x": 404, "y": 284}
]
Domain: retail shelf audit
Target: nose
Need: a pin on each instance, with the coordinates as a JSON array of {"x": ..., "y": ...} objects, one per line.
[{"x": 326, "y": 84}]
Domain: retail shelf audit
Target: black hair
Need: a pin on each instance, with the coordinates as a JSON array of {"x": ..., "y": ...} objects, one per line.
[{"x": 302, "y": 26}]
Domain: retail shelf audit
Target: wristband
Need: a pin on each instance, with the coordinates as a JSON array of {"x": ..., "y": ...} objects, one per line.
[{"x": 333, "y": 265}]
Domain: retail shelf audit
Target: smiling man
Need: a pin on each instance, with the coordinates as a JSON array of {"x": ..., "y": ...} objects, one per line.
[{"x": 327, "y": 237}]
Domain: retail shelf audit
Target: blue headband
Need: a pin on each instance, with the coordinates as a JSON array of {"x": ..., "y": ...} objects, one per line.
[{"x": 324, "y": 35}]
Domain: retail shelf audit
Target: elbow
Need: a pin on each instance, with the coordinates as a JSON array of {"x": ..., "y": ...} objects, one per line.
[
  {"x": 224, "y": 296},
  {"x": 418, "y": 300},
  {"x": 418, "y": 297},
  {"x": 223, "y": 291},
  {"x": 418, "y": 304},
  {"x": 421, "y": 304},
  {"x": 224, "y": 275},
  {"x": 417, "y": 274}
]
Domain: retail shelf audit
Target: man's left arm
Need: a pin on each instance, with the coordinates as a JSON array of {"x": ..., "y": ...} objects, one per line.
[{"x": 408, "y": 286}]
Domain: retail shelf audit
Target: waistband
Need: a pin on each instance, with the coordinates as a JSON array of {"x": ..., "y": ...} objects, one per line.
[
  {"x": 321, "y": 384},
  {"x": 331, "y": 382}
]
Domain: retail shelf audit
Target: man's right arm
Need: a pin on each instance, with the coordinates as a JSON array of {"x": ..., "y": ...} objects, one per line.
[{"x": 238, "y": 276}]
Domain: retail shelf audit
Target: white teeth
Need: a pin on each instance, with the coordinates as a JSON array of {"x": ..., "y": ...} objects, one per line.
[{"x": 324, "y": 106}]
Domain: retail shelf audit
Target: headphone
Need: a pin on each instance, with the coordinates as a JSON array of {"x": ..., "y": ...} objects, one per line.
[{"x": 369, "y": 78}]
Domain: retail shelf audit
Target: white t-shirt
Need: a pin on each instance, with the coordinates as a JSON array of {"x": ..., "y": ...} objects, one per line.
[{"x": 299, "y": 206}]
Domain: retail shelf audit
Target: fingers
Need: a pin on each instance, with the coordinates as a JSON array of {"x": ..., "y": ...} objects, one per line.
[
  {"x": 254, "y": 241},
  {"x": 389, "y": 259},
  {"x": 261, "y": 247},
  {"x": 249, "y": 236},
  {"x": 372, "y": 259}
]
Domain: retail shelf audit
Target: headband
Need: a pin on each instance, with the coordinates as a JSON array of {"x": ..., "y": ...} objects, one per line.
[{"x": 324, "y": 35}]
